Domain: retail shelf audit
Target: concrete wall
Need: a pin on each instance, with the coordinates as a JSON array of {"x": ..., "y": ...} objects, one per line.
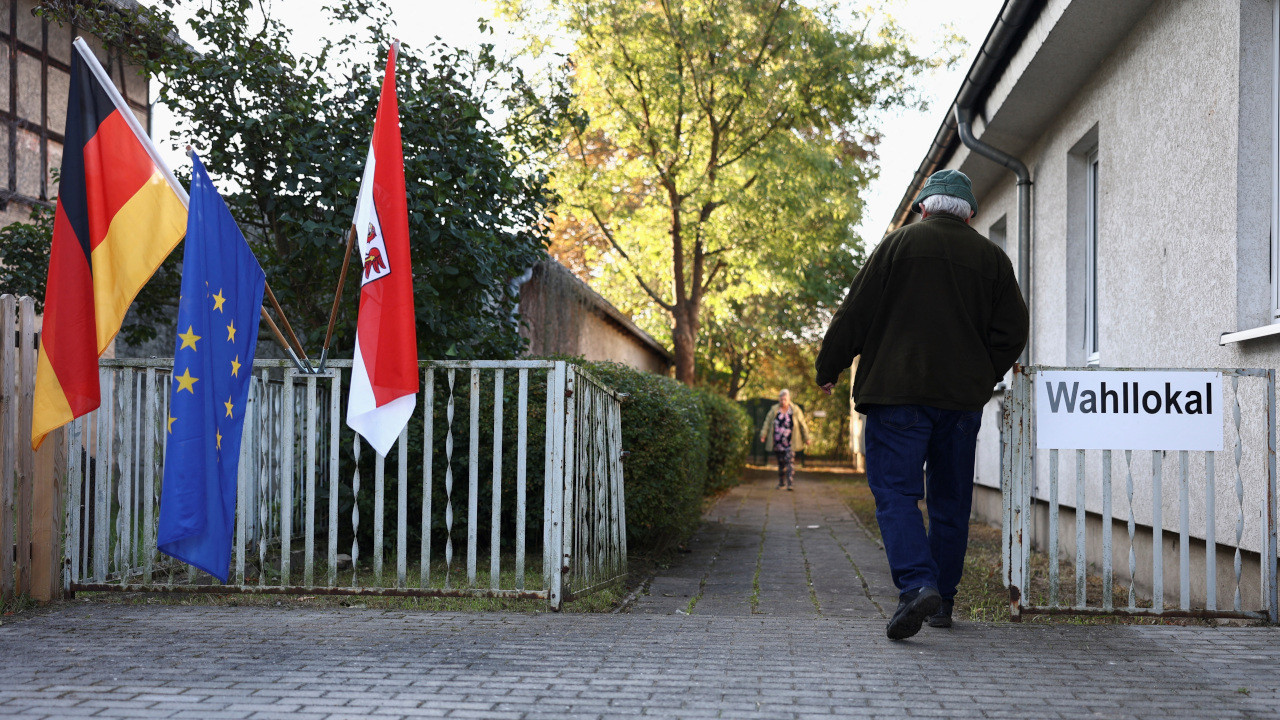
[
  {"x": 1180, "y": 112},
  {"x": 986, "y": 504},
  {"x": 563, "y": 316}
]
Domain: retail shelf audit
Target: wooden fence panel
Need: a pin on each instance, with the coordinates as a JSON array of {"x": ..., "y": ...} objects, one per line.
[
  {"x": 9, "y": 444},
  {"x": 30, "y": 483},
  {"x": 26, "y": 458}
]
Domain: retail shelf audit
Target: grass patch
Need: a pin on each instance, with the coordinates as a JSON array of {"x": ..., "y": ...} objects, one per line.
[
  {"x": 808, "y": 569},
  {"x": 17, "y": 605},
  {"x": 755, "y": 579},
  {"x": 982, "y": 595},
  {"x": 600, "y": 601}
]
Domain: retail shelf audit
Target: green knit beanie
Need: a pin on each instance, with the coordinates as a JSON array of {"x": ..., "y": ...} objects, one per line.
[{"x": 947, "y": 182}]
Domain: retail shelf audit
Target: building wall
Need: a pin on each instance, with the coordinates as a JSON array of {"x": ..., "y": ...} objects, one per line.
[
  {"x": 34, "y": 82},
  {"x": 562, "y": 316},
  {"x": 1181, "y": 115}
]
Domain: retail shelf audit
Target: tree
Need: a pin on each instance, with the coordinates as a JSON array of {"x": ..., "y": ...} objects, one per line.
[
  {"x": 740, "y": 331},
  {"x": 698, "y": 125},
  {"x": 285, "y": 135}
]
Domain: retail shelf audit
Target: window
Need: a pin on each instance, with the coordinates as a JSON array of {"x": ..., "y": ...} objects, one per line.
[
  {"x": 999, "y": 233},
  {"x": 1081, "y": 272},
  {"x": 1091, "y": 260}
]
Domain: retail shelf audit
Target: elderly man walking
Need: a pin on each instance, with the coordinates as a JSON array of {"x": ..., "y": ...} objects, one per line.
[{"x": 937, "y": 318}]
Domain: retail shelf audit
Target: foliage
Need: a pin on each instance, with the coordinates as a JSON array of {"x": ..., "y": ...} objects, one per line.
[
  {"x": 285, "y": 135},
  {"x": 716, "y": 147},
  {"x": 665, "y": 429},
  {"x": 459, "y": 465},
  {"x": 24, "y": 255},
  {"x": 791, "y": 367},
  {"x": 729, "y": 440},
  {"x": 740, "y": 332}
]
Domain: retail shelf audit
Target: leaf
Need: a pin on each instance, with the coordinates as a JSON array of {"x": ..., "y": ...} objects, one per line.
[{"x": 287, "y": 134}]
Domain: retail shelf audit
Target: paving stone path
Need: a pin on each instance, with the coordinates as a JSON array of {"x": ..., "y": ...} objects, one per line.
[
  {"x": 765, "y": 551},
  {"x": 819, "y": 654}
]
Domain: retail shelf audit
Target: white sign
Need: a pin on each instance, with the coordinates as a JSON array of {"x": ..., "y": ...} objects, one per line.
[{"x": 1128, "y": 410}]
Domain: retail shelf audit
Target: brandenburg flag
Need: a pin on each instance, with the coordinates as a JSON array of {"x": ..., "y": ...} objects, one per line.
[
  {"x": 117, "y": 218},
  {"x": 384, "y": 376}
]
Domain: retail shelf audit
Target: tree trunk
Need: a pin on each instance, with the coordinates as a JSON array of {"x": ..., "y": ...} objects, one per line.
[
  {"x": 735, "y": 378},
  {"x": 685, "y": 340}
]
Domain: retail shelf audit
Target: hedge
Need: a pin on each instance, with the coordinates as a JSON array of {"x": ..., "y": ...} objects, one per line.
[
  {"x": 683, "y": 444},
  {"x": 729, "y": 440},
  {"x": 665, "y": 429}
]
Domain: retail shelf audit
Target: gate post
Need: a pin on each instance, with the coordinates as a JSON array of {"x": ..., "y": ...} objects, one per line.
[
  {"x": 1015, "y": 488},
  {"x": 553, "y": 513},
  {"x": 568, "y": 508},
  {"x": 1270, "y": 564},
  {"x": 1006, "y": 480}
]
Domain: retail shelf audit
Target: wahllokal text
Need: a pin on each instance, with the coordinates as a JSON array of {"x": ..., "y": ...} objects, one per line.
[{"x": 1130, "y": 398}]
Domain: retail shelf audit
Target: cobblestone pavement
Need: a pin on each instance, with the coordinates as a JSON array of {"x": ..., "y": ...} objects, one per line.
[
  {"x": 806, "y": 552},
  {"x": 212, "y": 662},
  {"x": 819, "y": 654}
]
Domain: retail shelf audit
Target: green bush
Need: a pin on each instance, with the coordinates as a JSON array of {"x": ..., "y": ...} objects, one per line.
[
  {"x": 728, "y": 441},
  {"x": 460, "y": 466},
  {"x": 664, "y": 427}
]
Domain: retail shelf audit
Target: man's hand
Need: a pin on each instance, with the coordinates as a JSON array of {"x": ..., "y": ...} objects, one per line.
[{"x": 828, "y": 387}]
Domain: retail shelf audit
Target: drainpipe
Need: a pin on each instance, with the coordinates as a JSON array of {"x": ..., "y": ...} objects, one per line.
[{"x": 964, "y": 127}]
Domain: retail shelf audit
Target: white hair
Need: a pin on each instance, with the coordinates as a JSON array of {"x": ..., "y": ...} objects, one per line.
[
  {"x": 947, "y": 205},
  {"x": 784, "y": 391}
]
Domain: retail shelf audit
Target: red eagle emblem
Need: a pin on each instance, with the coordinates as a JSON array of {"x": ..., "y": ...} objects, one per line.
[{"x": 373, "y": 262}]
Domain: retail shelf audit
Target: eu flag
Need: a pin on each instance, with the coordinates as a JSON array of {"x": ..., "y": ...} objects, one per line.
[{"x": 222, "y": 287}]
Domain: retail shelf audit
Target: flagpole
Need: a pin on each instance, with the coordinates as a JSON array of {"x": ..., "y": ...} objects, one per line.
[
  {"x": 104, "y": 80},
  {"x": 130, "y": 119},
  {"x": 280, "y": 339},
  {"x": 337, "y": 296},
  {"x": 271, "y": 295},
  {"x": 266, "y": 285},
  {"x": 346, "y": 263}
]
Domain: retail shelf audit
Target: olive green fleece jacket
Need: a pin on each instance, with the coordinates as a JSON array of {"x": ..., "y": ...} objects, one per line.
[{"x": 937, "y": 316}]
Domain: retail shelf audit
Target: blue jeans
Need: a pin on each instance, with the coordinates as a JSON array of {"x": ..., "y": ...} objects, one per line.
[{"x": 910, "y": 447}]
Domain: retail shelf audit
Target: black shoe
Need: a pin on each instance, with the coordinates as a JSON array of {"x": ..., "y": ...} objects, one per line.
[
  {"x": 912, "y": 611},
  {"x": 789, "y": 488},
  {"x": 942, "y": 618}
]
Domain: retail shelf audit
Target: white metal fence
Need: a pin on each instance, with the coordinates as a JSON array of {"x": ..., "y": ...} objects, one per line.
[
  {"x": 532, "y": 508},
  {"x": 1089, "y": 489}
]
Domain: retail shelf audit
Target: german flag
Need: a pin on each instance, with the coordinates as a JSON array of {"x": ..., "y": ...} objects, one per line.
[{"x": 117, "y": 219}]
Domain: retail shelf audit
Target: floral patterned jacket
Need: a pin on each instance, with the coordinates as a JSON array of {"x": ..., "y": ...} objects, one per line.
[{"x": 800, "y": 429}]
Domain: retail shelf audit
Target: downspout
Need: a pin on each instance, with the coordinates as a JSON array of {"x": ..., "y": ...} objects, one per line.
[{"x": 964, "y": 128}]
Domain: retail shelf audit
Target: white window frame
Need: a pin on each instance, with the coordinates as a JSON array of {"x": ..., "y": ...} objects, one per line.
[
  {"x": 1000, "y": 229},
  {"x": 1271, "y": 327},
  {"x": 1092, "y": 202},
  {"x": 1275, "y": 163}
]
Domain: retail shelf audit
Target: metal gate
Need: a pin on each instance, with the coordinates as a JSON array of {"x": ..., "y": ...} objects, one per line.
[
  {"x": 1243, "y": 505},
  {"x": 532, "y": 513}
]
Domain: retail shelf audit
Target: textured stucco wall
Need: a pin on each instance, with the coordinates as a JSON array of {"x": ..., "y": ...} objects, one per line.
[
  {"x": 560, "y": 317},
  {"x": 1182, "y": 114}
]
